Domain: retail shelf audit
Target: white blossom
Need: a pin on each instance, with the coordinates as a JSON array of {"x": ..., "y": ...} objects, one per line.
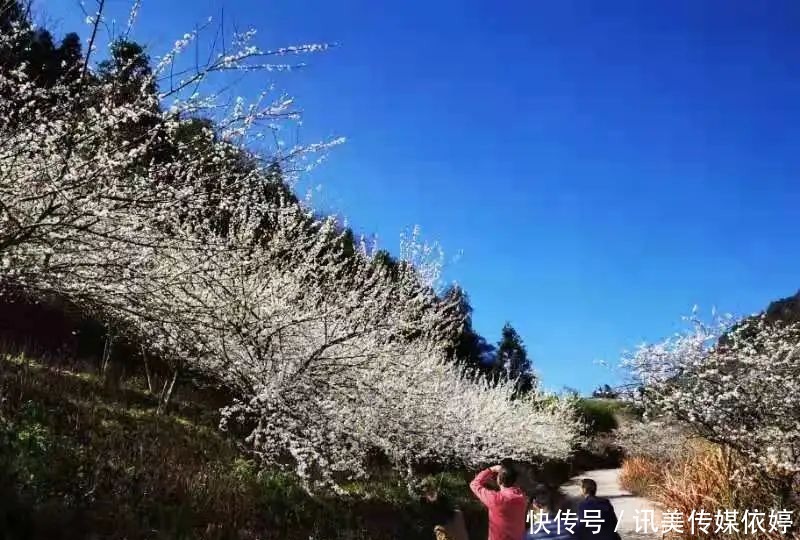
[
  {"x": 332, "y": 359},
  {"x": 734, "y": 382}
]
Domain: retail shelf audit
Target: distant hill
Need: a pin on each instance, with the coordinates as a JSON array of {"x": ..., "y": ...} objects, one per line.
[{"x": 785, "y": 309}]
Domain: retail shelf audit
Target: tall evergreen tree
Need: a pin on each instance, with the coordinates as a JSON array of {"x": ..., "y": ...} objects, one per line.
[
  {"x": 129, "y": 69},
  {"x": 383, "y": 258},
  {"x": 70, "y": 56},
  {"x": 45, "y": 63},
  {"x": 470, "y": 348},
  {"x": 511, "y": 360},
  {"x": 129, "y": 73},
  {"x": 34, "y": 50}
]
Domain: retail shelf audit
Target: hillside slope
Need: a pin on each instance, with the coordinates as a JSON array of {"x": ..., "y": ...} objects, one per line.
[{"x": 80, "y": 461}]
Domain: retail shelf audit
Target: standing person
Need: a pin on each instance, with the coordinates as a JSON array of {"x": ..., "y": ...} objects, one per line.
[
  {"x": 507, "y": 506},
  {"x": 591, "y": 502}
]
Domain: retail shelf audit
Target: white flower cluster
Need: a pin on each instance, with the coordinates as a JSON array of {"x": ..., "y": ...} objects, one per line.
[
  {"x": 657, "y": 440},
  {"x": 183, "y": 240},
  {"x": 735, "y": 384}
]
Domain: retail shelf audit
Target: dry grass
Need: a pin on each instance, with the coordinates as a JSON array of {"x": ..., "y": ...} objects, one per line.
[
  {"x": 701, "y": 480},
  {"x": 713, "y": 478},
  {"x": 641, "y": 475},
  {"x": 707, "y": 477}
]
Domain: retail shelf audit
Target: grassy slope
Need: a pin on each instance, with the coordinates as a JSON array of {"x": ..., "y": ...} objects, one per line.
[
  {"x": 601, "y": 414},
  {"x": 79, "y": 461},
  {"x": 601, "y": 417}
]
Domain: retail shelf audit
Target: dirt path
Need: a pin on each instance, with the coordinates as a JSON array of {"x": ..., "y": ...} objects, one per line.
[{"x": 626, "y": 506}]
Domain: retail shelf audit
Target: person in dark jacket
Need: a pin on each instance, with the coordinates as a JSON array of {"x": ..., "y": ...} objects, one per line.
[{"x": 595, "y": 510}]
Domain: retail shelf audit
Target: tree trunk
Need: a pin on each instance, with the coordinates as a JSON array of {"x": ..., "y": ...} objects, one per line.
[
  {"x": 166, "y": 393},
  {"x": 111, "y": 367},
  {"x": 107, "y": 346},
  {"x": 147, "y": 372}
]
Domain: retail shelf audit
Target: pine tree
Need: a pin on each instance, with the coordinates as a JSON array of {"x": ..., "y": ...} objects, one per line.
[
  {"x": 469, "y": 348},
  {"x": 511, "y": 360},
  {"x": 129, "y": 69},
  {"x": 45, "y": 63},
  {"x": 70, "y": 57}
]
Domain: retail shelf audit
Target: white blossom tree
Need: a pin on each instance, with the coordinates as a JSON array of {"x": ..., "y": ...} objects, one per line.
[
  {"x": 178, "y": 231},
  {"x": 734, "y": 382}
]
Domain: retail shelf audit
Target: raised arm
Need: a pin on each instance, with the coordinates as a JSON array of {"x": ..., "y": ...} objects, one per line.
[{"x": 478, "y": 486}]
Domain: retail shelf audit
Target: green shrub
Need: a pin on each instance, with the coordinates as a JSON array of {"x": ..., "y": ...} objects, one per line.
[{"x": 599, "y": 414}]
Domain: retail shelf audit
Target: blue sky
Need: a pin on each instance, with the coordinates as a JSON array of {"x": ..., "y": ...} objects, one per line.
[{"x": 603, "y": 165}]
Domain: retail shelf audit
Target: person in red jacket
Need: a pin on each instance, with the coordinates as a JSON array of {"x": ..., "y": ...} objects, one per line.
[{"x": 507, "y": 506}]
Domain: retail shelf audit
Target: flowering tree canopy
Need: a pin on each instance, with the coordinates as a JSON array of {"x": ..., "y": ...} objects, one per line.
[
  {"x": 127, "y": 191},
  {"x": 735, "y": 383}
]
